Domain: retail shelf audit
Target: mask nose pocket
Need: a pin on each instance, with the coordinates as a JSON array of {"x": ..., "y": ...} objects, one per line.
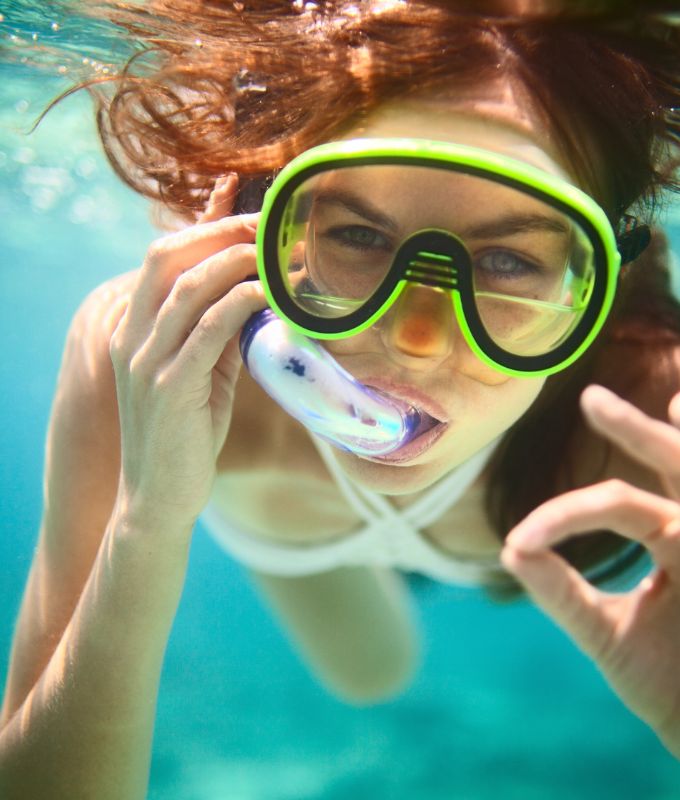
[{"x": 422, "y": 322}]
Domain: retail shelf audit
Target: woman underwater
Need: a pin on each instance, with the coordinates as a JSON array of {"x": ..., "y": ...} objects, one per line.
[{"x": 457, "y": 241}]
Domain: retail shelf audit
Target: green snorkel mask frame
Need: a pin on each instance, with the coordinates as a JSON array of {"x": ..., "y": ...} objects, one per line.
[{"x": 437, "y": 257}]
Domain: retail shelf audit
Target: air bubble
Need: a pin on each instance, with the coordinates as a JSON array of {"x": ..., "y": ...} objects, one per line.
[
  {"x": 83, "y": 210},
  {"x": 43, "y": 199},
  {"x": 86, "y": 167},
  {"x": 24, "y": 155}
]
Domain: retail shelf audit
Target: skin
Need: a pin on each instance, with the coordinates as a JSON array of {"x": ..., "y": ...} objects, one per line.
[
  {"x": 152, "y": 417},
  {"x": 478, "y": 402}
]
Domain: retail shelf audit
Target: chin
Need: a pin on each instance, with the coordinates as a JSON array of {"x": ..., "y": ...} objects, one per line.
[{"x": 392, "y": 479}]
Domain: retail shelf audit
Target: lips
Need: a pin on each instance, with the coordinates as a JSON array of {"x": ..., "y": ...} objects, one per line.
[
  {"x": 433, "y": 422},
  {"x": 408, "y": 395},
  {"x": 416, "y": 447}
]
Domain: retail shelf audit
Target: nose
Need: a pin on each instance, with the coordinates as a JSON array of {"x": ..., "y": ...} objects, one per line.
[{"x": 421, "y": 324}]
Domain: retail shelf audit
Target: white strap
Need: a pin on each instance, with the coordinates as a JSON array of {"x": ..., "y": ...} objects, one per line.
[
  {"x": 366, "y": 508},
  {"x": 427, "y": 509},
  {"x": 430, "y": 507}
]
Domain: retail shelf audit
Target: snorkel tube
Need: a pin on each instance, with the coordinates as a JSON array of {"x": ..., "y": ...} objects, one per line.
[{"x": 313, "y": 388}]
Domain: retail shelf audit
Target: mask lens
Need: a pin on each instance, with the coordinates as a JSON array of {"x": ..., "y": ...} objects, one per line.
[
  {"x": 531, "y": 267},
  {"x": 336, "y": 243},
  {"x": 533, "y": 274}
]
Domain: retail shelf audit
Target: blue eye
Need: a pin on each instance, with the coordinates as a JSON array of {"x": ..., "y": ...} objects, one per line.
[
  {"x": 359, "y": 237},
  {"x": 504, "y": 264}
]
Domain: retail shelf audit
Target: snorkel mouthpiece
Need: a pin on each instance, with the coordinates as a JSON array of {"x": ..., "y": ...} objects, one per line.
[{"x": 313, "y": 388}]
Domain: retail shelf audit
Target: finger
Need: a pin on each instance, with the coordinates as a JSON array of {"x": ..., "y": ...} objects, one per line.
[
  {"x": 192, "y": 294},
  {"x": 214, "y": 331},
  {"x": 651, "y": 442},
  {"x": 178, "y": 252},
  {"x": 644, "y": 517},
  {"x": 674, "y": 410},
  {"x": 222, "y": 198},
  {"x": 575, "y": 605}
]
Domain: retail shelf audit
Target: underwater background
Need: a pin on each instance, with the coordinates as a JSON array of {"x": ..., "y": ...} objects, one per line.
[{"x": 503, "y": 707}]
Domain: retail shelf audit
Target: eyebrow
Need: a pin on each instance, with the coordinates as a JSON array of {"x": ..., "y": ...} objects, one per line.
[
  {"x": 356, "y": 205},
  {"x": 512, "y": 224},
  {"x": 507, "y": 225}
]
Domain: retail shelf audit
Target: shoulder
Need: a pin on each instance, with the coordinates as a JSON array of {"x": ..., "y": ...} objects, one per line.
[
  {"x": 83, "y": 439},
  {"x": 86, "y": 396},
  {"x": 86, "y": 353},
  {"x": 101, "y": 310}
]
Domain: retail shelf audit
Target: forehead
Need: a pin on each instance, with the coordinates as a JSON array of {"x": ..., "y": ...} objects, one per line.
[
  {"x": 497, "y": 117},
  {"x": 402, "y": 199}
]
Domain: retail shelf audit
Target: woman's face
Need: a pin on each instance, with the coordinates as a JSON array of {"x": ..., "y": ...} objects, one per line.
[{"x": 416, "y": 351}]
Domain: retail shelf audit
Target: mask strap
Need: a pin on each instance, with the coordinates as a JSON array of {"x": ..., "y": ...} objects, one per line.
[
  {"x": 632, "y": 239},
  {"x": 251, "y": 193}
]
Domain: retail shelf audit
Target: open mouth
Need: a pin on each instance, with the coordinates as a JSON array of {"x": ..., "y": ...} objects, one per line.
[{"x": 428, "y": 430}]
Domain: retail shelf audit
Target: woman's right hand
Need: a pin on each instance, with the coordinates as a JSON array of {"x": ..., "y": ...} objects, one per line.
[{"x": 176, "y": 361}]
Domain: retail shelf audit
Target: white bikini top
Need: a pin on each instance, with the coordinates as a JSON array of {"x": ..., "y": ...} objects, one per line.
[{"x": 390, "y": 537}]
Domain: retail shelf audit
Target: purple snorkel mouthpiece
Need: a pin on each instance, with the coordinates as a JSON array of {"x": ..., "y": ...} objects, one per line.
[{"x": 313, "y": 388}]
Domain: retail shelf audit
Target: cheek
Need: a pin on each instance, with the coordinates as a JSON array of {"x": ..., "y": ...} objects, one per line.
[
  {"x": 482, "y": 412},
  {"x": 499, "y": 406},
  {"x": 462, "y": 360}
]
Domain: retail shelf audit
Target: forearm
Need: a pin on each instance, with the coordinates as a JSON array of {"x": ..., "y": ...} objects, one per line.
[{"x": 85, "y": 729}]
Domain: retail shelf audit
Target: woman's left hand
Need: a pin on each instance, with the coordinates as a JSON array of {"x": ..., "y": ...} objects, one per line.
[{"x": 634, "y": 637}]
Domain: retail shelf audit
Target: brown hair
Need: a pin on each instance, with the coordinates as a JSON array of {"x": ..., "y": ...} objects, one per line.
[
  {"x": 223, "y": 86},
  {"x": 220, "y": 86}
]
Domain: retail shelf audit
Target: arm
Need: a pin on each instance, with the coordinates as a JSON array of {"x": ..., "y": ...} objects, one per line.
[
  {"x": 64, "y": 705},
  {"x": 354, "y": 626},
  {"x": 80, "y": 703}
]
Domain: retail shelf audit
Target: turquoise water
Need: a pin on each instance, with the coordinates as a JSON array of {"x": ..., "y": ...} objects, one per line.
[{"x": 504, "y": 705}]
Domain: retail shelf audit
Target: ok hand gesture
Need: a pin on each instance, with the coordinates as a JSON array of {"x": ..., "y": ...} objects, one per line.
[{"x": 633, "y": 637}]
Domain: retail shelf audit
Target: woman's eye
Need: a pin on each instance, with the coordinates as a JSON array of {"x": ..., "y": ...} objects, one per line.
[
  {"x": 505, "y": 264},
  {"x": 358, "y": 237}
]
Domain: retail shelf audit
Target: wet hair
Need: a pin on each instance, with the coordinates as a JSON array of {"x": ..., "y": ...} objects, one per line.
[{"x": 219, "y": 86}]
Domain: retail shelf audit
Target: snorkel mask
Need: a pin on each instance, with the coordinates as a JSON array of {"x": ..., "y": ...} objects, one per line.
[{"x": 525, "y": 264}]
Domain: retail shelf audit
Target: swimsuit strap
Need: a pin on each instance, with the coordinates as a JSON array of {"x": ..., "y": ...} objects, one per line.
[
  {"x": 369, "y": 508},
  {"x": 431, "y": 506}
]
